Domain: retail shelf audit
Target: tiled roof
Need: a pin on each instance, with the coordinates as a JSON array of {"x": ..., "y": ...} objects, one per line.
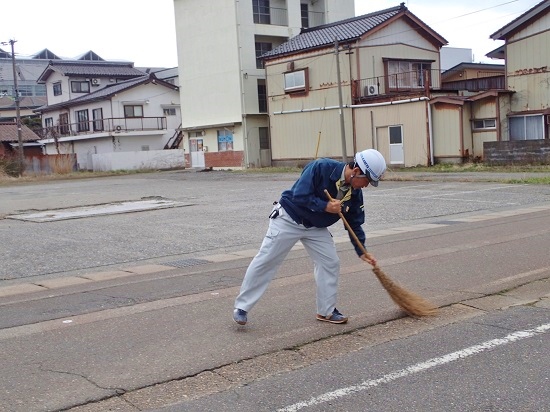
[
  {"x": 8, "y": 133},
  {"x": 91, "y": 69},
  {"x": 345, "y": 30},
  {"x": 26, "y": 102},
  {"x": 104, "y": 93}
]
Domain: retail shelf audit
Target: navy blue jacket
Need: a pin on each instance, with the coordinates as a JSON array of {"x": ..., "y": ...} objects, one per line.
[{"x": 306, "y": 201}]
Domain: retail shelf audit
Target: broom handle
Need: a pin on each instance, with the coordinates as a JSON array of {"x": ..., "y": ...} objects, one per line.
[{"x": 350, "y": 230}]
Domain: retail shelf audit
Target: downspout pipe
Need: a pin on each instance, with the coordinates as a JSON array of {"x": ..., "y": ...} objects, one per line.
[{"x": 431, "y": 133}]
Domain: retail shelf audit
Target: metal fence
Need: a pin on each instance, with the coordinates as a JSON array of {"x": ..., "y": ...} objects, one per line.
[{"x": 108, "y": 125}]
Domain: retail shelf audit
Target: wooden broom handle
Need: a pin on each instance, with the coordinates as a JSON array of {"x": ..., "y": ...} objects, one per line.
[{"x": 350, "y": 230}]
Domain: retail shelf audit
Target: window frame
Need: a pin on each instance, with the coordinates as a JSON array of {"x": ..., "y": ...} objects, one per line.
[
  {"x": 83, "y": 120},
  {"x": 291, "y": 75},
  {"x": 482, "y": 124},
  {"x": 57, "y": 89},
  {"x": 525, "y": 127},
  {"x": 133, "y": 109},
  {"x": 261, "y": 48},
  {"x": 80, "y": 86},
  {"x": 225, "y": 140},
  {"x": 259, "y": 14},
  {"x": 412, "y": 78},
  {"x": 97, "y": 121}
]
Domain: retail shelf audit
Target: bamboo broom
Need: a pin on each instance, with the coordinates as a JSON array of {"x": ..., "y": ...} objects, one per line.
[{"x": 408, "y": 301}]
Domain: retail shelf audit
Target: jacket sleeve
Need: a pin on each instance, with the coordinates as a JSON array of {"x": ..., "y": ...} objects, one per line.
[
  {"x": 305, "y": 189},
  {"x": 355, "y": 217}
]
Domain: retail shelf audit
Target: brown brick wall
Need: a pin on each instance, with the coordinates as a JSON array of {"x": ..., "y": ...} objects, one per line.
[{"x": 230, "y": 158}]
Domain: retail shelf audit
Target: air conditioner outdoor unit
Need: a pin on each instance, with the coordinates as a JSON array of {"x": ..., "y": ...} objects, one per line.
[
  {"x": 96, "y": 82},
  {"x": 372, "y": 90}
]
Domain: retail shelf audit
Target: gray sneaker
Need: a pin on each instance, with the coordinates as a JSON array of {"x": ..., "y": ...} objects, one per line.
[
  {"x": 335, "y": 317},
  {"x": 239, "y": 316}
]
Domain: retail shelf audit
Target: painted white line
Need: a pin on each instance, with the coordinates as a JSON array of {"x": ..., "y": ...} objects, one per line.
[{"x": 419, "y": 367}]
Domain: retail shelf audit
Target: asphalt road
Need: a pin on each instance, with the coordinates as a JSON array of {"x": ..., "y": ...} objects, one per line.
[
  {"x": 220, "y": 212},
  {"x": 96, "y": 314}
]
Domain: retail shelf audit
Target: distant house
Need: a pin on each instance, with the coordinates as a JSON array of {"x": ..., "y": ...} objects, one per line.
[
  {"x": 27, "y": 70},
  {"x": 389, "y": 67},
  {"x": 9, "y": 140},
  {"x": 473, "y": 77},
  {"x": 527, "y": 53},
  {"x": 109, "y": 114}
]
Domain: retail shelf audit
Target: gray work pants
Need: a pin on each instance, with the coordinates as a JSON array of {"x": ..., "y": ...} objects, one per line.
[{"x": 281, "y": 236}]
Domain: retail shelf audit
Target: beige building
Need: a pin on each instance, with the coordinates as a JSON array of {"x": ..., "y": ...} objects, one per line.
[
  {"x": 223, "y": 82},
  {"x": 388, "y": 66},
  {"x": 527, "y": 51}
]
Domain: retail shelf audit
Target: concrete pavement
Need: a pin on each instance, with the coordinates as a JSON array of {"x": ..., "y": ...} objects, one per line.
[{"x": 155, "y": 352}]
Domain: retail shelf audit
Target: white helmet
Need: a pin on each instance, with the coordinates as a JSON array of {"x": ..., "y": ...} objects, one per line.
[{"x": 372, "y": 163}]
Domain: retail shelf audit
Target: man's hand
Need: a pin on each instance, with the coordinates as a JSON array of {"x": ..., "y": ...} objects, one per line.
[
  {"x": 370, "y": 259},
  {"x": 333, "y": 206}
]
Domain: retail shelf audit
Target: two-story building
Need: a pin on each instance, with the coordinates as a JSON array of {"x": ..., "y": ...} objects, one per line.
[
  {"x": 111, "y": 115},
  {"x": 359, "y": 83}
]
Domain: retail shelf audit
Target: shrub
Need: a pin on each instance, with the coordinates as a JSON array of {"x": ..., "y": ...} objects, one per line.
[{"x": 9, "y": 165}]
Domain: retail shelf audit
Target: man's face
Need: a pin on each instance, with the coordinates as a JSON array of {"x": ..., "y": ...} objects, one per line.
[{"x": 359, "y": 180}]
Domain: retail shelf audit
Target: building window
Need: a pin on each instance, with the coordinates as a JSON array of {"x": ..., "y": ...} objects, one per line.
[
  {"x": 48, "y": 122},
  {"x": 26, "y": 90},
  {"x": 262, "y": 96},
  {"x": 527, "y": 127},
  {"x": 82, "y": 119},
  {"x": 264, "y": 138},
  {"x": 80, "y": 87},
  {"x": 407, "y": 74},
  {"x": 40, "y": 90},
  {"x": 64, "y": 123},
  {"x": 261, "y": 48},
  {"x": 295, "y": 81},
  {"x": 305, "y": 15},
  {"x": 133, "y": 111},
  {"x": 97, "y": 115},
  {"x": 225, "y": 140},
  {"x": 480, "y": 124},
  {"x": 57, "y": 89},
  {"x": 169, "y": 111},
  {"x": 260, "y": 9}
]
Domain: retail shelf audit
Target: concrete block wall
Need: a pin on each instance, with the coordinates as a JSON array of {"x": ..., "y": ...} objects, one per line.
[{"x": 517, "y": 152}]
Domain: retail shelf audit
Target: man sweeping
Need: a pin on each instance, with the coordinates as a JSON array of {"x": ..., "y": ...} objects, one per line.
[{"x": 304, "y": 214}]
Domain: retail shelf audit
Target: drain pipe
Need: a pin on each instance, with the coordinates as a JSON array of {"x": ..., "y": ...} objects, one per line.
[{"x": 430, "y": 134}]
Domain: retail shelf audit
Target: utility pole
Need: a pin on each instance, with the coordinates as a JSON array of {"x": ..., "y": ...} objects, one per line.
[
  {"x": 342, "y": 124},
  {"x": 17, "y": 110}
]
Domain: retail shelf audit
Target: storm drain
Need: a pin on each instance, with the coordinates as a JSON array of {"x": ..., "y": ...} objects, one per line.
[{"x": 186, "y": 263}]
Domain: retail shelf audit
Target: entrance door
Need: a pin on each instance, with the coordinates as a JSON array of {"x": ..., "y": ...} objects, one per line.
[
  {"x": 196, "y": 152},
  {"x": 396, "y": 145}
]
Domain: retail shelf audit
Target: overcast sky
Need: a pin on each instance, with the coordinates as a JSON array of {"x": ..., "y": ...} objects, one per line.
[{"x": 144, "y": 31}]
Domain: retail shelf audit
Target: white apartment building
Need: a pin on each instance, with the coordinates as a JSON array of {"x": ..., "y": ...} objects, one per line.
[{"x": 222, "y": 79}]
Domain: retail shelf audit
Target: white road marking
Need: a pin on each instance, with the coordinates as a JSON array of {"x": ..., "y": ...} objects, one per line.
[{"x": 419, "y": 367}]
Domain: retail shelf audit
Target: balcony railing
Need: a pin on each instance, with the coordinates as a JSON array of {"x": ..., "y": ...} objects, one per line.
[
  {"x": 271, "y": 15},
  {"x": 107, "y": 125},
  {"x": 313, "y": 19}
]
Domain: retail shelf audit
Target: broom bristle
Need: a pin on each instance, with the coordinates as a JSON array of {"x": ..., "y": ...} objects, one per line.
[{"x": 409, "y": 302}]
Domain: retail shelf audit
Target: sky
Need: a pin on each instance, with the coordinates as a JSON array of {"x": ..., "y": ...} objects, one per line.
[{"x": 144, "y": 32}]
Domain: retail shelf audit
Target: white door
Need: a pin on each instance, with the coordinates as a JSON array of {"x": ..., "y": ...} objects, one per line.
[
  {"x": 396, "y": 145},
  {"x": 197, "y": 154}
]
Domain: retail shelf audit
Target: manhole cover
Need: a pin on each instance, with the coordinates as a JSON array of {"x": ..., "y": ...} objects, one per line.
[{"x": 186, "y": 262}]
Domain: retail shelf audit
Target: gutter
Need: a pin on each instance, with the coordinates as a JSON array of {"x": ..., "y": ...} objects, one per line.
[{"x": 353, "y": 106}]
